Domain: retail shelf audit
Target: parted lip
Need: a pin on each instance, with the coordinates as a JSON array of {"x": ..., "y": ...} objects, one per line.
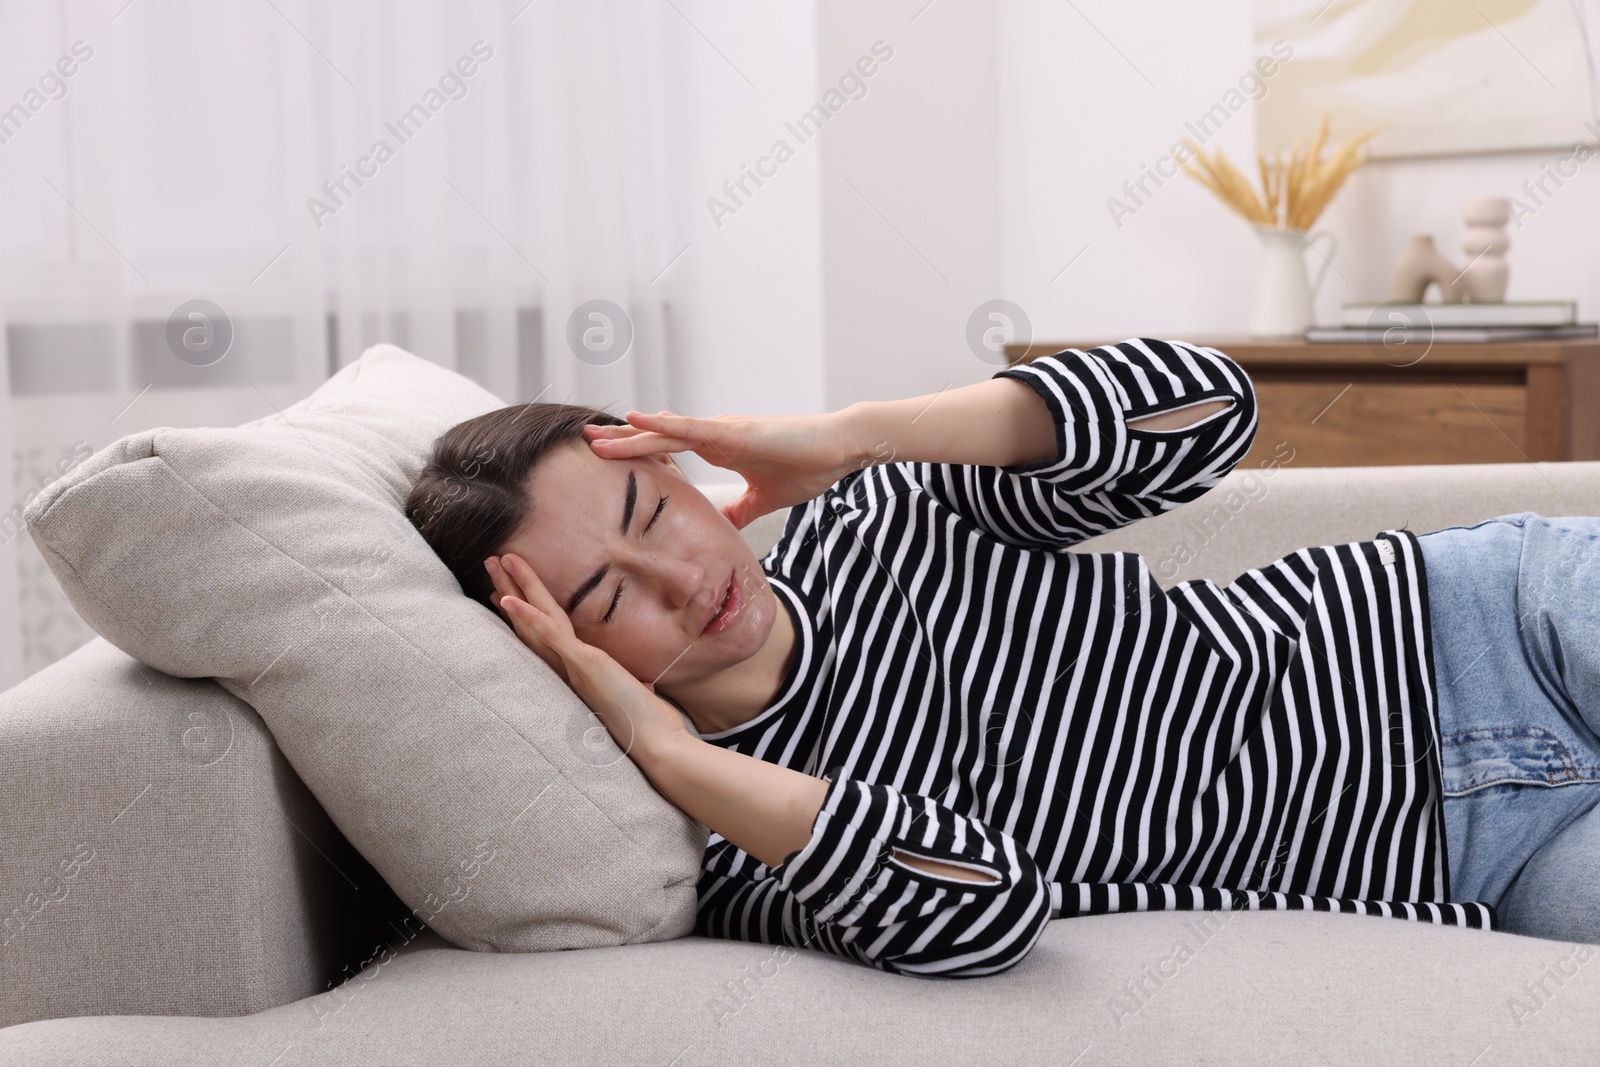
[{"x": 716, "y": 603}]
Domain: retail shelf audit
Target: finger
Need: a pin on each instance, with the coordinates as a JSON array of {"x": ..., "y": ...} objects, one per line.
[
  {"x": 671, "y": 423},
  {"x": 534, "y": 627},
  {"x": 507, "y": 584},
  {"x": 521, "y": 613},
  {"x": 642, "y": 444},
  {"x": 533, "y": 589},
  {"x": 527, "y": 585},
  {"x": 503, "y": 584},
  {"x": 594, "y": 430},
  {"x": 549, "y": 637}
]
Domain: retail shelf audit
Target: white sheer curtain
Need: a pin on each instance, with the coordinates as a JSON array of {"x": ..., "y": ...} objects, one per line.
[{"x": 185, "y": 158}]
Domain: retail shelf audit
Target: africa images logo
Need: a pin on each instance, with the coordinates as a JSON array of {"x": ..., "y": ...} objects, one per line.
[{"x": 452, "y": 85}]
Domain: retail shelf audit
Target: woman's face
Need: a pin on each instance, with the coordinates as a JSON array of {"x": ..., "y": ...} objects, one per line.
[{"x": 643, "y": 594}]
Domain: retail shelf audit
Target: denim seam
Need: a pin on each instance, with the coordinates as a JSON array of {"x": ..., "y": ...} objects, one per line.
[
  {"x": 1493, "y": 733},
  {"x": 1531, "y": 782}
]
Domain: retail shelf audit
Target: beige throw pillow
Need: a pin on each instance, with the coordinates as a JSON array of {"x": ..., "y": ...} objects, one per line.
[{"x": 275, "y": 557}]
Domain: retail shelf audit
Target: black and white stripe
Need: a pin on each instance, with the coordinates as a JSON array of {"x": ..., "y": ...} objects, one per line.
[{"x": 978, "y": 694}]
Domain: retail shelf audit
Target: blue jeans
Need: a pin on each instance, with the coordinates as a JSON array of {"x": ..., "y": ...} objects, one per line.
[{"x": 1515, "y": 616}]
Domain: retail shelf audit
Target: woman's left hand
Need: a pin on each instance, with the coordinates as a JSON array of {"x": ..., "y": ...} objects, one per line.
[
  {"x": 640, "y": 722},
  {"x": 784, "y": 459}
]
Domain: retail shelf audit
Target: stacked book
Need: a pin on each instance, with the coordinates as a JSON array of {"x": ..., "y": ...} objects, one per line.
[{"x": 1398, "y": 323}]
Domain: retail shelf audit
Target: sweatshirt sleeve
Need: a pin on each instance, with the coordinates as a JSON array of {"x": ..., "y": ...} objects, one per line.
[
  {"x": 846, "y": 893},
  {"x": 1104, "y": 474}
]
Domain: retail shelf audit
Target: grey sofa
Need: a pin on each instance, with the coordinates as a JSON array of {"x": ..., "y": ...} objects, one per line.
[{"x": 171, "y": 894}]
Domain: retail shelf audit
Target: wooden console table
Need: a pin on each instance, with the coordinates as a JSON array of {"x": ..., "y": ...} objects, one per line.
[{"x": 1346, "y": 405}]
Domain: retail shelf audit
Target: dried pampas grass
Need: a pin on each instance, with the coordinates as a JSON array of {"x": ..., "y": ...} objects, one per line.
[{"x": 1293, "y": 191}]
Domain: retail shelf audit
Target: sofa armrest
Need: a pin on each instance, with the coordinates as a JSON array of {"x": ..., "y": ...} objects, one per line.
[{"x": 160, "y": 855}]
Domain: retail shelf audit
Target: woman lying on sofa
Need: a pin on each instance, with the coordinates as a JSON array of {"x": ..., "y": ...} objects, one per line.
[{"x": 919, "y": 728}]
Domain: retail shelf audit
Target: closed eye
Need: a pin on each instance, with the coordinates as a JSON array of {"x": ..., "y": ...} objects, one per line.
[{"x": 617, "y": 596}]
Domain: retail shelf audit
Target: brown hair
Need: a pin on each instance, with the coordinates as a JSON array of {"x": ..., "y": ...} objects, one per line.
[{"x": 472, "y": 495}]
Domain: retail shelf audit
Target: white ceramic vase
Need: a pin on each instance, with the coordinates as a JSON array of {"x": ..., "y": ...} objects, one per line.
[{"x": 1283, "y": 289}]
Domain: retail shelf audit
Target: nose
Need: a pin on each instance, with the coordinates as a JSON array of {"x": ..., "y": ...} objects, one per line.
[{"x": 680, "y": 580}]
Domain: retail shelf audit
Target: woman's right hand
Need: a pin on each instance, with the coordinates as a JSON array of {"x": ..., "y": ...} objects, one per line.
[
  {"x": 784, "y": 459},
  {"x": 640, "y": 722}
]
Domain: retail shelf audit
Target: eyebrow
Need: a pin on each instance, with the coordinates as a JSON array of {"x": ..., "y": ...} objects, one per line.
[{"x": 589, "y": 583}]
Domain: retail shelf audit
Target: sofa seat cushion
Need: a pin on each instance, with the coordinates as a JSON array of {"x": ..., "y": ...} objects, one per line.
[{"x": 1156, "y": 988}]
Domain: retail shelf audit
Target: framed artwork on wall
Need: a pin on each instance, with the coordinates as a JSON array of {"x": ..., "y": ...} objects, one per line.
[{"x": 1437, "y": 77}]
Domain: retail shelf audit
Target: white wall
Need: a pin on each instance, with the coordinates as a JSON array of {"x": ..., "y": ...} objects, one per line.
[
  {"x": 849, "y": 275},
  {"x": 910, "y": 196},
  {"x": 746, "y": 316},
  {"x": 1077, "y": 119}
]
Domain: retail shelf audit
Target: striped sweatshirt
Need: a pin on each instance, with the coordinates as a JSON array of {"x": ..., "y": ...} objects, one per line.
[{"x": 1054, "y": 720}]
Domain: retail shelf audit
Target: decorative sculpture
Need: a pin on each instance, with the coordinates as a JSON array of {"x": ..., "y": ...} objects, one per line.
[{"x": 1421, "y": 265}]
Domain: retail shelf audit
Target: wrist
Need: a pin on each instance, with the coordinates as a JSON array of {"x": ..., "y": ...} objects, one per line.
[
  {"x": 663, "y": 747},
  {"x": 864, "y": 444}
]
